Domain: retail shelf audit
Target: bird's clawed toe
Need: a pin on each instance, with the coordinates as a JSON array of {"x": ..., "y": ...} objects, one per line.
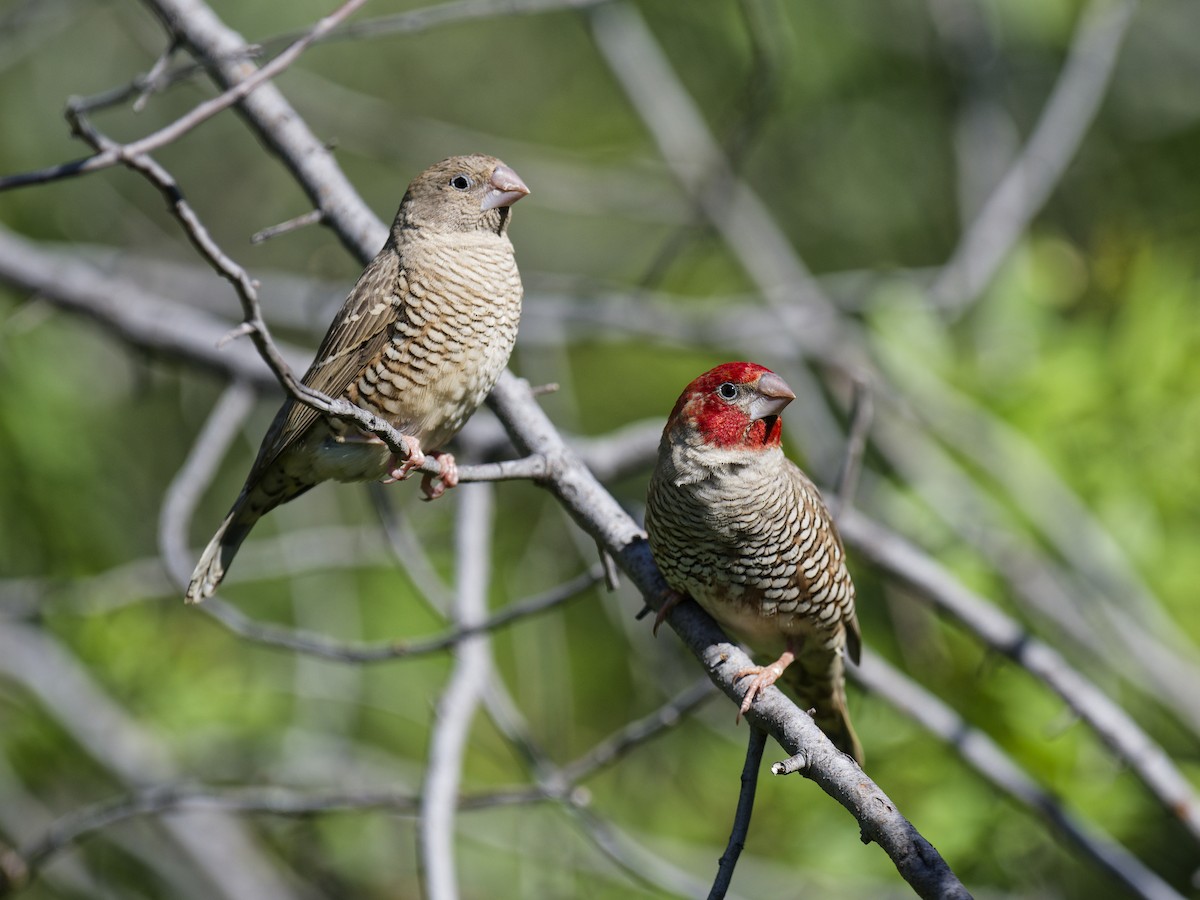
[
  {"x": 398, "y": 469},
  {"x": 671, "y": 599},
  {"x": 764, "y": 677},
  {"x": 434, "y": 486}
]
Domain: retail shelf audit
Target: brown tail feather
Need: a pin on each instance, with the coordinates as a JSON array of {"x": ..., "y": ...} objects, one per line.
[
  {"x": 818, "y": 681},
  {"x": 262, "y": 493},
  {"x": 836, "y": 725},
  {"x": 219, "y": 553}
]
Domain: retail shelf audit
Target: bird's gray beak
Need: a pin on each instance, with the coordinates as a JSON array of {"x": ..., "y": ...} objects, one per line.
[
  {"x": 773, "y": 395},
  {"x": 506, "y": 188}
]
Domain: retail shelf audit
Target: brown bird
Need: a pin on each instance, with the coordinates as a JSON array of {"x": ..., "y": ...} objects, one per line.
[
  {"x": 420, "y": 342},
  {"x": 738, "y": 527}
]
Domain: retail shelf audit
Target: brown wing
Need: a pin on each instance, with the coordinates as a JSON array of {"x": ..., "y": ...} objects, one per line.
[
  {"x": 358, "y": 334},
  {"x": 853, "y": 638},
  {"x": 829, "y": 543},
  {"x": 818, "y": 674}
]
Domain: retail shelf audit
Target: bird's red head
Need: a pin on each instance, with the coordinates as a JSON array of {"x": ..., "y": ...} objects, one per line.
[{"x": 737, "y": 404}]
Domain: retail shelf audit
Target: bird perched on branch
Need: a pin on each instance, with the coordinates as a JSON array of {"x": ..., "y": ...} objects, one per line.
[
  {"x": 739, "y": 528},
  {"x": 420, "y": 342}
]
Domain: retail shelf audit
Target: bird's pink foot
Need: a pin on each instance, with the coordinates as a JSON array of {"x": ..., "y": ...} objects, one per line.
[
  {"x": 764, "y": 677},
  {"x": 671, "y": 599},
  {"x": 435, "y": 485},
  {"x": 399, "y": 469}
]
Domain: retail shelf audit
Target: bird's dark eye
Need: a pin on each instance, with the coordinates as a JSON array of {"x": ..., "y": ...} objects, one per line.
[
  {"x": 728, "y": 390},
  {"x": 461, "y": 182}
]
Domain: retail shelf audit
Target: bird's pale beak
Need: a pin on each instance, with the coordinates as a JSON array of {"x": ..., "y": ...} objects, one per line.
[
  {"x": 506, "y": 188},
  {"x": 773, "y": 395}
]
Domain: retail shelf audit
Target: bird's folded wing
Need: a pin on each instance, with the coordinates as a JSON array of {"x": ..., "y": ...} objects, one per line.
[{"x": 358, "y": 335}]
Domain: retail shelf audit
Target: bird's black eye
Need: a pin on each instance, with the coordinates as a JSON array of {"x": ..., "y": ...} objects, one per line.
[
  {"x": 461, "y": 182},
  {"x": 728, "y": 390}
]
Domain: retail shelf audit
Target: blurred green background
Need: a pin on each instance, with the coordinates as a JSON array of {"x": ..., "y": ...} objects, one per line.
[{"x": 1047, "y": 425}]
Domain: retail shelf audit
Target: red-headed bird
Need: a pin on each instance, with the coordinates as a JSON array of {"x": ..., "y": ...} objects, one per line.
[{"x": 738, "y": 527}]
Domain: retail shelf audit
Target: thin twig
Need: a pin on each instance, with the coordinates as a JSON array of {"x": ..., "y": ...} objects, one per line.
[
  {"x": 312, "y": 217},
  {"x": 429, "y": 17},
  {"x": 862, "y": 410},
  {"x": 741, "y": 818},
  {"x": 273, "y": 800},
  {"x": 175, "y": 798},
  {"x": 319, "y": 645},
  {"x": 150, "y": 82},
  {"x": 639, "y": 731},
  {"x": 115, "y": 154},
  {"x": 612, "y": 579},
  {"x": 142, "y": 85},
  {"x": 208, "y": 248},
  {"x": 332, "y": 548}
]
